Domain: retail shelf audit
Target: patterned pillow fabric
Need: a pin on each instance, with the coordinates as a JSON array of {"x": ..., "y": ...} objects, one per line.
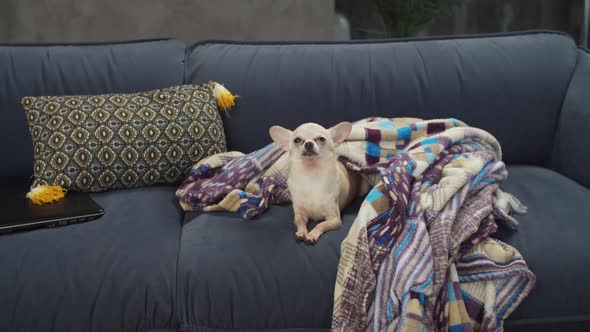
[{"x": 101, "y": 142}]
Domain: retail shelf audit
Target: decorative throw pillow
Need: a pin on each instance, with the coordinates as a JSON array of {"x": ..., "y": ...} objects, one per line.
[{"x": 95, "y": 143}]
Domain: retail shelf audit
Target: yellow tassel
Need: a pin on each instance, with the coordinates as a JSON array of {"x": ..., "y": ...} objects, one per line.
[
  {"x": 46, "y": 194},
  {"x": 225, "y": 99}
]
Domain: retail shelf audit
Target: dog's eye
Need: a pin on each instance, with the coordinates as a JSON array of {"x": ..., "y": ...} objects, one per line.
[
  {"x": 322, "y": 139},
  {"x": 297, "y": 140}
]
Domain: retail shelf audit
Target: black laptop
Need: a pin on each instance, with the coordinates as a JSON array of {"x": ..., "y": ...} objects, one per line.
[{"x": 18, "y": 212}]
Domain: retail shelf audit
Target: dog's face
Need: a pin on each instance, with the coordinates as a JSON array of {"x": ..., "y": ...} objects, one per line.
[{"x": 310, "y": 140}]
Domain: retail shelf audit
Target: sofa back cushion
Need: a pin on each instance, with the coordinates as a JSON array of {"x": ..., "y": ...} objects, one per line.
[
  {"x": 75, "y": 70},
  {"x": 511, "y": 85},
  {"x": 571, "y": 155}
]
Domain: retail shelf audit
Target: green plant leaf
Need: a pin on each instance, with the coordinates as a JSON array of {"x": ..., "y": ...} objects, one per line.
[{"x": 404, "y": 18}]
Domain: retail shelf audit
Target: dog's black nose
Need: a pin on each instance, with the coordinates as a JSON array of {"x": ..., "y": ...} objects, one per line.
[{"x": 308, "y": 146}]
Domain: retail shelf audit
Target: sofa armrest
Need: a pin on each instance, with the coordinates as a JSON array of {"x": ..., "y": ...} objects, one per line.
[{"x": 571, "y": 152}]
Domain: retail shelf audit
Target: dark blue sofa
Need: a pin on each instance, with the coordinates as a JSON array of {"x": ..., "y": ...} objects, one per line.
[{"x": 147, "y": 266}]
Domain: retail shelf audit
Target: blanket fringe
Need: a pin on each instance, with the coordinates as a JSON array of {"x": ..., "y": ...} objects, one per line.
[{"x": 509, "y": 202}]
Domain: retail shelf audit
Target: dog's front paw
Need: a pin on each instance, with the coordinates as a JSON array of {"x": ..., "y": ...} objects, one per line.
[
  {"x": 300, "y": 235},
  {"x": 312, "y": 237}
]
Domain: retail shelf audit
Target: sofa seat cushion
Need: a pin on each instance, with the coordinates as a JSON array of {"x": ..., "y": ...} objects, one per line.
[
  {"x": 552, "y": 238},
  {"x": 117, "y": 273},
  {"x": 237, "y": 274}
]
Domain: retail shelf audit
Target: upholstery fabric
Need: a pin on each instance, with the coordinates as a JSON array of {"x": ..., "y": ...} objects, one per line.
[
  {"x": 571, "y": 155},
  {"x": 101, "y": 142},
  {"x": 494, "y": 83},
  {"x": 75, "y": 69},
  {"x": 552, "y": 239},
  {"x": 116, "y": 273},
  {"x": 256, "y": 276}
]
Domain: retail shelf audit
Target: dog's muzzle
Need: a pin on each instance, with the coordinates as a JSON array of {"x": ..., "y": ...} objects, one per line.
[{"x": 308, "y": 149}]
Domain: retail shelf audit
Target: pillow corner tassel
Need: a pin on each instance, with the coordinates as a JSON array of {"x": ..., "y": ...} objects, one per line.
[
  {"x": 46, "y": 194},
  {"x": 225, "y": 99}
]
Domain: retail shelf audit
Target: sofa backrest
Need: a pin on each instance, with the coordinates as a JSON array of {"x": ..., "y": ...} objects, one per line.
[
  {"x": 512, "y": 86},
  {"x": 27, "y": 70}
]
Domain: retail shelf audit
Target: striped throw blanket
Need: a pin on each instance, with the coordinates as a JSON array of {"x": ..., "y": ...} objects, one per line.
[{"x": 419, "y": 256}]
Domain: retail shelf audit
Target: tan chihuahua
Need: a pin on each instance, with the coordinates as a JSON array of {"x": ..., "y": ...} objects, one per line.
[{"x": 319, "y": 184}]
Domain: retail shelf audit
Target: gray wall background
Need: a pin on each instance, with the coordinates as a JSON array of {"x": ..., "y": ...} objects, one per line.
[{"x": 187, "y": 20}]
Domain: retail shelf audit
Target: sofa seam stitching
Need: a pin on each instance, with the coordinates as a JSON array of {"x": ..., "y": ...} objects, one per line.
[
  {"x": 185, "y": 58},
  {"x": 192, "y": 327},
  {"x": 194, "y": 45},
  {"x": 182, "y": 216},
  {"x": 559, "y": 319},
  {"x": 101, "y": 43},
  {"x": 549, "y": 163},
  {"x": 177, "y": 312}
]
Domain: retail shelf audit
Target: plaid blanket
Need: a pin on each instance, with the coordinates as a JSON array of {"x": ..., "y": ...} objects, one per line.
[{"x": 419, "y": 256}]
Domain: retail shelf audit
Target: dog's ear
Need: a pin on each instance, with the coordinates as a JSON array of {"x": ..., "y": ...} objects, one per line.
[
  {"x": 280, "y": 135},
  {"x": 340, "y": 132}
]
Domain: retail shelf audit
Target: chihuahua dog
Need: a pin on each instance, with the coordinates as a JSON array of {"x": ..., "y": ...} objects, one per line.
[{"x": 319, "y": 184}]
